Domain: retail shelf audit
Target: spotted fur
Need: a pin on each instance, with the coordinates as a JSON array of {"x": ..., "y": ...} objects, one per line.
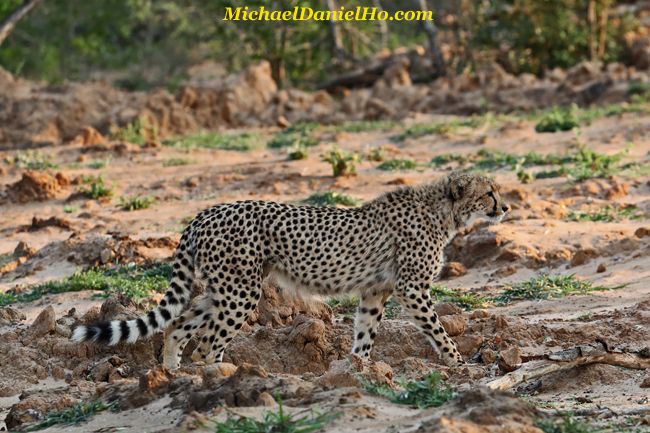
[{"x": 391, "y": 246}]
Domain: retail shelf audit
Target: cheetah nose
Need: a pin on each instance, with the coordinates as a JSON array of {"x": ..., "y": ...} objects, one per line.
[{"x": 505, "y": 208}]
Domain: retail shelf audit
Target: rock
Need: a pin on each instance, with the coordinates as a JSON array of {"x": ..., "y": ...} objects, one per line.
[
  {"x": 155, "y": 378},
  {"x": 510, "y": 359},
  {"x": 488, "y": 355},
  {"x": 479, "y": 314},
  {"x": 267, "y": 399},
  {"x": 222, "y": 369},
  {"x": 642, "y": 232},
  {"x": 454, "y": 324},
  {"x": 23, "y": 250},
  {"x": 582, "y": 256},
  {"x": 468, "y": 345},
  {"x": 34, "y": 186},
  {"x": 44, "y": 323},
  {"x": 453, "y": 269},
  {"x": 347, "y": 372},
  {"x": 601, "y": 268},
  {"x": 10, "y": 315},
  {"x": 106, "y": 255},
  {"x": 447, "y": 309},
  {"x": 646, "y": 382}
]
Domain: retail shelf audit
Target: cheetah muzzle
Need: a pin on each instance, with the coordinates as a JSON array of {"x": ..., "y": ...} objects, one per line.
[{"x": 391, "y": 246}]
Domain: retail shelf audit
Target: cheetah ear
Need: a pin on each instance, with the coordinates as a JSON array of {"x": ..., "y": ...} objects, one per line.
[{"x": 459, "y": 186}]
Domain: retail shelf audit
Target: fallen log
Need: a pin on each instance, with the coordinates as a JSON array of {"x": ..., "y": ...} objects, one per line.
[{"x": 568, "y": 359}]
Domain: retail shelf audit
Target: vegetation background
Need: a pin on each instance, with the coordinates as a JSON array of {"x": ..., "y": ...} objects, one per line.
[{"x": 149, "y": 43}]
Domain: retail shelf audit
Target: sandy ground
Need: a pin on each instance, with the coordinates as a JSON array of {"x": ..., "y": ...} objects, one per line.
[{"x": 307, "y": 362}]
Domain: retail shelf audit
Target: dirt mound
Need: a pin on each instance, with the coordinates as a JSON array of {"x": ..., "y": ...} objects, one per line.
[
  {"x": 51, "y": 115},
  {"x": 94, "y": 250},
  {"x": 37, "y": 186}
]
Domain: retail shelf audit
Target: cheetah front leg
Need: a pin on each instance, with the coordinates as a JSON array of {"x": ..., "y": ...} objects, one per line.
[
  {"x": 369, "y": 313},
  {"x": 413, "y": 295}
]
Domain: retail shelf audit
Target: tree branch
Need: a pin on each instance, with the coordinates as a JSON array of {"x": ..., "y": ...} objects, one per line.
[{"x": 9, "y": 23}]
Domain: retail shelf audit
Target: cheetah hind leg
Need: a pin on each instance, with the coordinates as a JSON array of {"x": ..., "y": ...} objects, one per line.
[
  {"x": 369, "y": 313},
  {"x": 192, "y": 322},
  {"x": 224, "y": 326}
]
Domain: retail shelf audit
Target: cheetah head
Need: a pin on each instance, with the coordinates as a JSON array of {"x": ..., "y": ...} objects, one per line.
[{"x": 474, "y": 198}]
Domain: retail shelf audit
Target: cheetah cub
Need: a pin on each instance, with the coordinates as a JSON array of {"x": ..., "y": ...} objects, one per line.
[{"x": 391, "y": 246}]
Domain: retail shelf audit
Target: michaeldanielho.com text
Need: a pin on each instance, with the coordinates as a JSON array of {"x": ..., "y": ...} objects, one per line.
[{"x": 307, "y": 13}]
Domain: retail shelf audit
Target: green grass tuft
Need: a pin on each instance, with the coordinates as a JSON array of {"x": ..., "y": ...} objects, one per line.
[
  {"x": 430, "y": 392},
  {"x": 73, "y": 415},
  {"x": 131, "y": 281},
  {"x": 444, "y": 159},
  {"x": 275, "y": 422},
  {"x": 294, "y": 136},
  {"x": 137, "y": 132},
  {"x": 94, "y": 187},
  {"x": 466, "y": 300},
  {"x": 567, "y": 424},
  {"x": 345, "y": 305},
  {"x": 397, "y": 164},
  {"x": 31, "y": 160},
  {"x": 609, "y": 214},
  {"x": 549, "y": 287},
  {"x": 174, "y": 162},
  {"x": 365, "y": 125},
  {"x": 418, "y": 130},
  {"x": 343, "y": 163},
  {"x": 297, "y": 153},
  {"x": 99, "y": 163},
  {"x": 135, "y": 202},
  {"x": 331, "y": 198},
  {"x": 241, "y": 142},
  {"x": 558, "y": 119}
]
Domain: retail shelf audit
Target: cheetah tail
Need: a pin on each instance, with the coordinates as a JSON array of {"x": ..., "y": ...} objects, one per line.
[{"x": 115, "y": 331}]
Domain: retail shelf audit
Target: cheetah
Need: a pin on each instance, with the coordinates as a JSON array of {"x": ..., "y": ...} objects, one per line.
[{"x": 391, "y": 246}]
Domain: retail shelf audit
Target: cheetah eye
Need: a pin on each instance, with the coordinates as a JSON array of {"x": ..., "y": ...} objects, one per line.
[{"x": 490, "y": 194}]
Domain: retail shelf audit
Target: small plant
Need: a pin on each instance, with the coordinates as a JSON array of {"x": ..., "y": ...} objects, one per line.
[
  {"x": 330, "y": 198},
  {"x": 549, "y": 287},
  {"x": 174, "y": 162},
  {"x": 294, "y": 136},
  {"x": 391, "y": 309},
  {"x": 343, "y": 163},
  {"x": 524, "y": 177},
  {"x": 418, "y": 130},
  {"x": 139, "y": 131},
  {"x": 70, "y": 209},
  {"x": 465, "y": 300},
  {"x": 585, "y": 317},
  {"x": 275, "y": 422},
  {"x": 99, "y": 163},
  {"x": 344, "y": 305},
  {"x": 375, "y": 154},
  {"x": 31, "y": 160},
  {"x": 558, "y": 119},
  {"x": 135, "y": 202},
  {"x": 397, "y": 164},
  {"x": 590, "y": 164},
  {"x": 297, "y": 153},
  {"x": 366, "y": 125},
  {"x": 241, "y": 142},
  {"x": 430, "y": 392},
  {"x": 73, "y": 415},
  {"x": 446, "y": 158},
  {"x": 94, "y": 188},
  {"x": 608, "y": 214},
  {"x": 131, "y": 281},
  {"x": 567, "y": 424}
]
